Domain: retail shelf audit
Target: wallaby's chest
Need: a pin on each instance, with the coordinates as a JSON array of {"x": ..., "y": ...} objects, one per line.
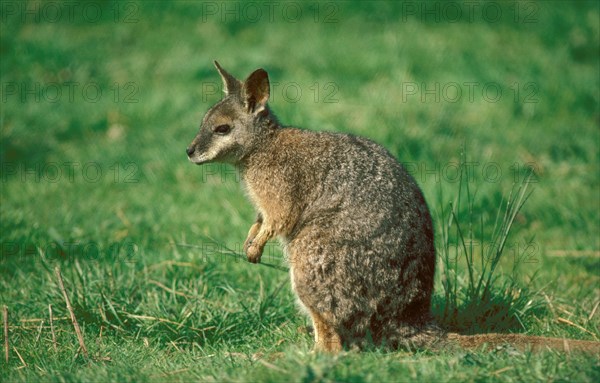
[
  {"x": 257, "y": 197},
  {"x": 273, "y": 199}
]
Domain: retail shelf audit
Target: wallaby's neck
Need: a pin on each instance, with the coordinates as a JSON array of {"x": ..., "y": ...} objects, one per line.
[
  {"x": 269, "y": 127},
  {"x": 259, "y": 155}
]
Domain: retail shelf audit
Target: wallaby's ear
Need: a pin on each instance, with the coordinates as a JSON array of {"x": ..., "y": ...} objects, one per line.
[
  {"x": 256, "y": 91},
  {"x": 230, "y": 83}
]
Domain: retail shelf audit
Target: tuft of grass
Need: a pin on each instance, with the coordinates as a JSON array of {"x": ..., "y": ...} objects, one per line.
[{"x": 476, "y": 298}]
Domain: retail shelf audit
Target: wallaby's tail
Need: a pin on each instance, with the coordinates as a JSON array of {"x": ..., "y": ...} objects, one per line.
[{"x": 523, "y": 342}]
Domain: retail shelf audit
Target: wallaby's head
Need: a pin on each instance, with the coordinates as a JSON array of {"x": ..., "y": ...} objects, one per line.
[{"x": 234, "y": 127}]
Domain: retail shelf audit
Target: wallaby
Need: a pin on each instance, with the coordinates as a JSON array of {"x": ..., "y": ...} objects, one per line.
[{"x": 353, "y": 223}]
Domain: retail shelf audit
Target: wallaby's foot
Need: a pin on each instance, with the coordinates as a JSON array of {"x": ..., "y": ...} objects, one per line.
[
  {"x": 331, "y": 345},
  {"x": 326, "y": 338}
]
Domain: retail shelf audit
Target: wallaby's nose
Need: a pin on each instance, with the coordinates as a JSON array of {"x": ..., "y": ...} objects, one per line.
[{"x": 190, "y": 151}]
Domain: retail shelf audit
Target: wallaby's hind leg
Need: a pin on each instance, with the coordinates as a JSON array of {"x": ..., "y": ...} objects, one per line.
[
  {"x": 305, "y": 283},
  {"x": 326, "y": 338}
]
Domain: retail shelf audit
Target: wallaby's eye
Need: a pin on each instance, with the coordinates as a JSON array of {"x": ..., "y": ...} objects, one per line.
[{"x": 222, "y": 129}]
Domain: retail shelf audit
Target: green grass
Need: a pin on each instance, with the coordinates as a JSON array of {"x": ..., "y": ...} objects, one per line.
[{"x": 152, "y": 309}]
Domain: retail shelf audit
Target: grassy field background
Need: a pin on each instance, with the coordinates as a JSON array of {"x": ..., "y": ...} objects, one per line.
[{"x": 100, "y": 99}]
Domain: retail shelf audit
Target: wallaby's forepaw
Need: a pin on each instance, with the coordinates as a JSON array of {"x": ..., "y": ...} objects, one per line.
[{"x": 253, "y": 252}]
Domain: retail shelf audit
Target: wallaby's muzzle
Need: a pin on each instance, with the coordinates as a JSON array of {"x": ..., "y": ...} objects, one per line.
[
  {"x": 197, "y": 152},
  {"x": 194, "y": 156}
]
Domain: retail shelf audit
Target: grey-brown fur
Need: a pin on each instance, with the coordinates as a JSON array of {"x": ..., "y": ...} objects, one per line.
[{"x": 355, "y": 226}]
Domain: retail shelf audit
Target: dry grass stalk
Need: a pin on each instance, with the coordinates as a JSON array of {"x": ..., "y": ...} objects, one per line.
[
  {"x": 70, "y": 308},
  {"x": 23, "y": 364},
  {"x": 6, "y": 345},
  {"x": 52, "y": 328}
]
